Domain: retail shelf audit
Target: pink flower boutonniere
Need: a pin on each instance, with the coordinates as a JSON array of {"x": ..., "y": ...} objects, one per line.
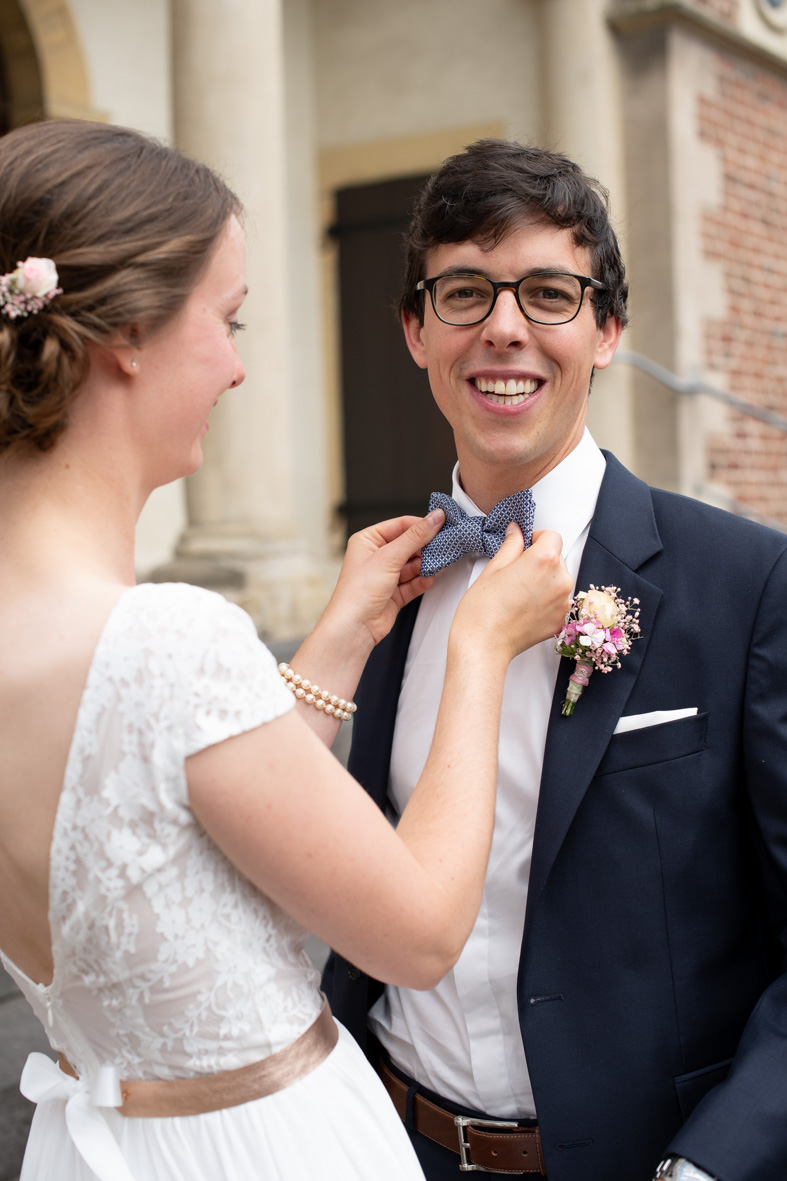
[{"x": 599, "y": 629}]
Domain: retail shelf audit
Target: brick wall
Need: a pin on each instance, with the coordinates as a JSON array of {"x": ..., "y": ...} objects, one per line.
[{"x": 747, "y": 236}]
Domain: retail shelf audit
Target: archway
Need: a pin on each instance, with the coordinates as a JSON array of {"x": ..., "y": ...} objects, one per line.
[
  {"x": 42, "y": 67},
  {"x": 21, "y": 91}
]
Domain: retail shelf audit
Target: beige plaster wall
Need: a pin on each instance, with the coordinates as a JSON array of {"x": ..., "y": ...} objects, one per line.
[
  {"x": 385, "y": 70},
  {"x": 127, "y": 52}
]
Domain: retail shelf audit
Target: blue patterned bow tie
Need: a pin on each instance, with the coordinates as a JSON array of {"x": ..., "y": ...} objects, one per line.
[{"x": 462, "y": 534}]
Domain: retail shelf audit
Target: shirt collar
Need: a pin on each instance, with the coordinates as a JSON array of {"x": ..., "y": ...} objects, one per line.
[{"x": 565, "y": 497}]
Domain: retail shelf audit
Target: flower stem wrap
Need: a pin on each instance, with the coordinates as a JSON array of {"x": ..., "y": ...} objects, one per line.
[{"x": 577, "y": 683}]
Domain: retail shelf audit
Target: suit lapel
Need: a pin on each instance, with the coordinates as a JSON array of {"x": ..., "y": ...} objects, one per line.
[{"x": 623, "y": 535}]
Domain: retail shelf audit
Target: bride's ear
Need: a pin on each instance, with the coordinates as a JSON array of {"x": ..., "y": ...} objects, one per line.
[
  {"x": 128, "y": 360},
  {"x": 126, "y": 350}
]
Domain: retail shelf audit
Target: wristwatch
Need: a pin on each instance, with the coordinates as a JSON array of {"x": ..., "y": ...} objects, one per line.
[{"x": 677, "y": 1168}]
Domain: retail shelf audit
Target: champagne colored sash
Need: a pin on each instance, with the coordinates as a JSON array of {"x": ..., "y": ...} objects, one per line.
[{"x": 154, "y": 1098}]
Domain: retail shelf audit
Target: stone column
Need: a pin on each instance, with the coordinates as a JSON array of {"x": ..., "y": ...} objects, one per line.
[
  {"x": 242, "y": 536},
  {"x": 583, "y": 120}
]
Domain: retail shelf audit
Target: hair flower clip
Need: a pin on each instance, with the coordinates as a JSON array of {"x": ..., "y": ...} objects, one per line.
[
  {"x": 29, "y": 288},
  {"x": 600, "y": 628}
]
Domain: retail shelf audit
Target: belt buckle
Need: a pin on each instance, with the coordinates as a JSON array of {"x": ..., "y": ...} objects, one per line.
[{"x": 465, "y": 1121}]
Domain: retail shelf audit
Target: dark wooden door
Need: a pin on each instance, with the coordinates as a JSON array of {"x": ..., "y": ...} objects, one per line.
[{"x": 397, "y": 446}]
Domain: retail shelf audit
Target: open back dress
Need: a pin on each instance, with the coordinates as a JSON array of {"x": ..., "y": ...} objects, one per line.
[{"x": 168, "y": 963}]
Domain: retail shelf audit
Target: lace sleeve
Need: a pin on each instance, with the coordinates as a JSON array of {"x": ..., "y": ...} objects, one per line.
[{"x": 233, "y": 681}]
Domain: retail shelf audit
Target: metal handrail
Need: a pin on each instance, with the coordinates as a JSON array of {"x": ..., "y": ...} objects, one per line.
[{"x": 681, "y": 386}]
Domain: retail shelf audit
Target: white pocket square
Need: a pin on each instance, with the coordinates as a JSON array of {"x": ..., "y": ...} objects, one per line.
[{"x": 657, "y": 718}]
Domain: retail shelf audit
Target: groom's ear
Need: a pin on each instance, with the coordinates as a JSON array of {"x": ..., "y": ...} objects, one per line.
[
  {"x": 414, "y": 336},
  {"x": 607, "y": 341}
]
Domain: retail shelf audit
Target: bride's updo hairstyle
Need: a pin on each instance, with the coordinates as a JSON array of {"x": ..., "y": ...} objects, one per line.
[{"x": 129, "y": 223}]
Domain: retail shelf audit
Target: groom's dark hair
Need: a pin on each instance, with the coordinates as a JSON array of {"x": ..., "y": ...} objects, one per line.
[{"x": 484, "y": 192}]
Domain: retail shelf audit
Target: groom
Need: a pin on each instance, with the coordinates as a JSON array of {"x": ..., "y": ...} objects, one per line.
[{"x": 620, "y": 999}]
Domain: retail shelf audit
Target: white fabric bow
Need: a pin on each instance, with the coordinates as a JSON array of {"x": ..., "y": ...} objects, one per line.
[{"x": 43, "y": 1082}]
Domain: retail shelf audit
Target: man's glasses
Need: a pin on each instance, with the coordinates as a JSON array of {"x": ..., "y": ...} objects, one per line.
[{"x": 551, "y": 297}]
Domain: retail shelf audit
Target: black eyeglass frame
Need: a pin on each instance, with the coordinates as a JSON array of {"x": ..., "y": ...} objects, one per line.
[{"x": 513, "y": 284}]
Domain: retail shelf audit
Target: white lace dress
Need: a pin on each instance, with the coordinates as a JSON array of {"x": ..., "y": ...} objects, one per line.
[{"x": 167, "y": 962}]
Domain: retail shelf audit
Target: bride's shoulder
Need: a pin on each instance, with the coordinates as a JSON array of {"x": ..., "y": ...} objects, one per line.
[
  {"x": 181, "y": 606},
  {"x": 158, "y": 624}
]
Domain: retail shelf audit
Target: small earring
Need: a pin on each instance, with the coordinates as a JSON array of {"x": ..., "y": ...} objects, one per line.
[{"x": 133, "y": 364}]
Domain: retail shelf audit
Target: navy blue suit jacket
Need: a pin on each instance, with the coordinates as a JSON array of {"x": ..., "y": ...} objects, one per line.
[{"x": 652, "y": 1002}]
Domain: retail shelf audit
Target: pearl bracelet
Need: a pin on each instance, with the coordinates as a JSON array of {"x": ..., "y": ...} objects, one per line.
[{"x": 312, "y": 694}]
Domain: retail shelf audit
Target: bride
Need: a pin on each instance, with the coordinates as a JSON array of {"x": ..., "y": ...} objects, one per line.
[{"x": 171, "y": 819}]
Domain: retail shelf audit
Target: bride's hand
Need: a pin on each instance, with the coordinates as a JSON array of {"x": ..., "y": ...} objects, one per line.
[
  {"x": 380, "y": 574},
  {"x": 519, "y": 599}
]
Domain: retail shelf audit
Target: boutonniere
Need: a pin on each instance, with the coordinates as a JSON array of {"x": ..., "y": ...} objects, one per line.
[{"x": 600, "y": 628}]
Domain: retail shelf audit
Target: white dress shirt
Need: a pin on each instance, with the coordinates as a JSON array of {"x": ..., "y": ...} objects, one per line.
[{"x": 462, "y": 1039}]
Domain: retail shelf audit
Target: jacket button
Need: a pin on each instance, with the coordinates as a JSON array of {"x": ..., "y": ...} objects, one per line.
[{"x": 353, "y": 972}]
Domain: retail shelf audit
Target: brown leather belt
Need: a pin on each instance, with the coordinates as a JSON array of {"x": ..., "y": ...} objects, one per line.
[
  {"x": 497, "y": 1146},
  {"x": 152, "y": 1098}
]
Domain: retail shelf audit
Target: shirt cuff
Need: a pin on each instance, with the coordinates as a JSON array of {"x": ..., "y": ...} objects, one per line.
[{"x": 689, "y": 1172}]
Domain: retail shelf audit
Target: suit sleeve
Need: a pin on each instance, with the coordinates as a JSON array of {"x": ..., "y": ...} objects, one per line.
[{"x": 739, "y": 1131}]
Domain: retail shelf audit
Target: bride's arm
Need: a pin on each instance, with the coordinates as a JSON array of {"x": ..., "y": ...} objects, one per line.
[{"x": 399, "y": 904}]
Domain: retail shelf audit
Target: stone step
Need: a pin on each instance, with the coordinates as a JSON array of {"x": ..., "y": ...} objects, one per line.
[{"x": 20, "y": 1033}]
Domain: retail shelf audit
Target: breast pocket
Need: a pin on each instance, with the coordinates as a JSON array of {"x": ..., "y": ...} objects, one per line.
[{"x": 654, "y": 744}]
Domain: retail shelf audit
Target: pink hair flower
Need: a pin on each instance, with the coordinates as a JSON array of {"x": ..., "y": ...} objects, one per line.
[{"x": 28, "y": 289}]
